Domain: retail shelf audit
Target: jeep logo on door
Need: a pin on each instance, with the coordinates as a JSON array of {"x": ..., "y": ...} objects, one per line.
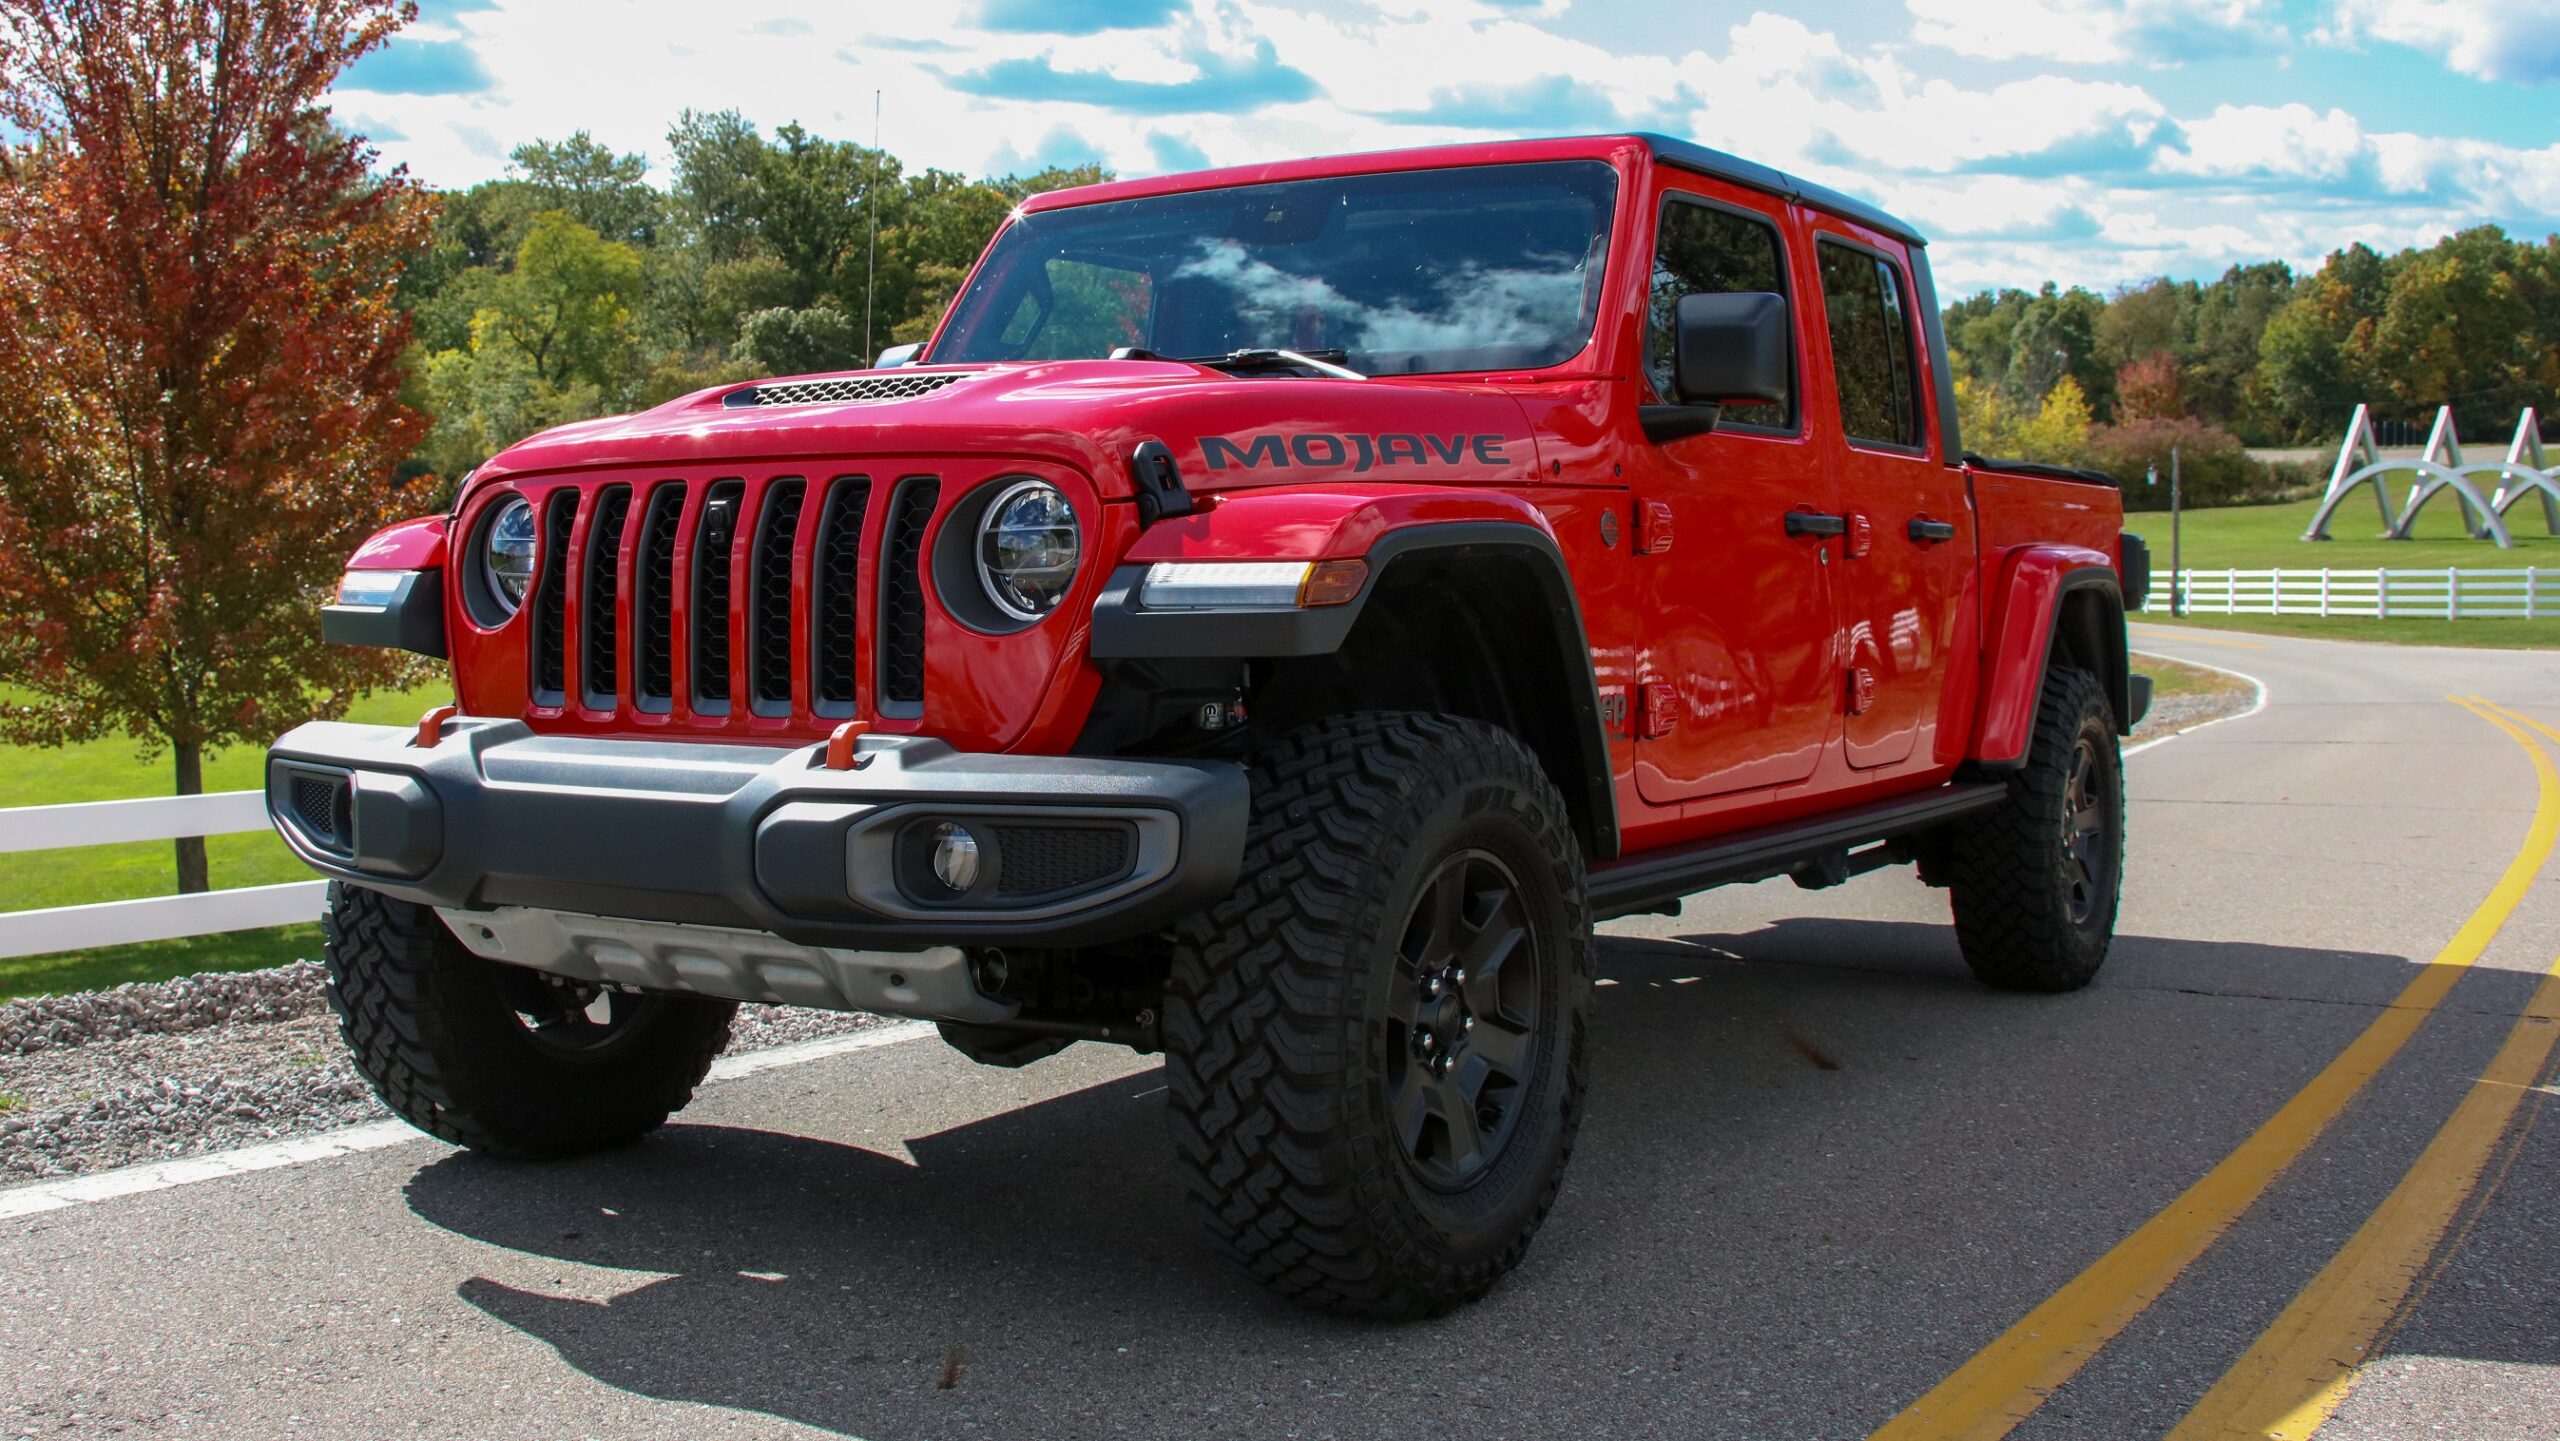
[{"x": 1356, "y": 453}]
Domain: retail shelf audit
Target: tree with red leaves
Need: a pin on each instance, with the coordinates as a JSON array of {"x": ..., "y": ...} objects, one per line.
[{"x": 200, "y": 366}]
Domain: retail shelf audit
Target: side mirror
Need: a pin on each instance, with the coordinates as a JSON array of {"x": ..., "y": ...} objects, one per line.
[
  {"x": 1726, "y": 349},
  {"x": 897, "y": 355}
]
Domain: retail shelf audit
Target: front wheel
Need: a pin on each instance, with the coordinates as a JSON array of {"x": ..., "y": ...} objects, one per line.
[
  {"x": 499, "y": 1058},
  {"x": 1374, "y": 1046},
  {"x": 2034, "y": 882}
]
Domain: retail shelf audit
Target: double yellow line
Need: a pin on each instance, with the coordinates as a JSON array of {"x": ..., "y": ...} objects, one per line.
[{"x": 2299, "y": 1371}]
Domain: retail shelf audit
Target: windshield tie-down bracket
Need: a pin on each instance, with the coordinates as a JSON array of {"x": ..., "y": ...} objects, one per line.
[{"x": 1159, "y": 482}]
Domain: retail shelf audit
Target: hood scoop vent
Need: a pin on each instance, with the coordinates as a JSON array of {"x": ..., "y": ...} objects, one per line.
[{"x": 846, "y": 390}]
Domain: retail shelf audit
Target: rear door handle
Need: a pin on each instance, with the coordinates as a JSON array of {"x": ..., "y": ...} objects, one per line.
[
  {"x": 1809, "y": 522},
  {"x": 1924, "y": 530}
]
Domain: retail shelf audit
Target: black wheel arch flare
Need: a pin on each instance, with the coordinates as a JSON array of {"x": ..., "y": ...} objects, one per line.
[{"x": 1125, "y": 630}]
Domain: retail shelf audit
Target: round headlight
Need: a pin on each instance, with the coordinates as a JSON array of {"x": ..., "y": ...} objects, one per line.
[
  {"x": 1027, "y": 549},
  {"x": 506, "y": 556}
]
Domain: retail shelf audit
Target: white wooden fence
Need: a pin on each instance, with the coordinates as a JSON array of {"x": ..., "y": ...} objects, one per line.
[
  {"x": 2441, "y": 593},
  {"x": 158, "y": 918}
]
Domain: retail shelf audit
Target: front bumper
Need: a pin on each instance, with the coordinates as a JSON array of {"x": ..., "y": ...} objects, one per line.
[{"x": 494, "y": 817}]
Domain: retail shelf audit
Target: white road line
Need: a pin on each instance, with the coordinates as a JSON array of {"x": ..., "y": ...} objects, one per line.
[
  {"x": 375, "y": 1135},
  {"x": 2259, "y": 705}
]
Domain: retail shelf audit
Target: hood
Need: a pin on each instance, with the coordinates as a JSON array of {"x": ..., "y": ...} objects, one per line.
[{"x": 1225, "y": 431}]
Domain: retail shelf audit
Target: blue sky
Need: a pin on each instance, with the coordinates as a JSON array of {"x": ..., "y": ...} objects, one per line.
[{"x": 2090, "y": 141}]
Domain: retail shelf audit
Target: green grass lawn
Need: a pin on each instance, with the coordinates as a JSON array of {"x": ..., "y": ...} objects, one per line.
[
  {"x": 2268, "y": 537},
  {"x": 2261, "y": 537},
  {"x": 156, "y": 961},
  {"x": 111, "y": 769}
]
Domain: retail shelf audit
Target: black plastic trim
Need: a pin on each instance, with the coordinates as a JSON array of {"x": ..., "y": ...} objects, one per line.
[
  {"x": 1942, "y": 374},
  {"x": 2040, "y": 471},
  {"x": 412, "y": 620},
  {"x": 1657, "y": 878},
  {"x": 2137, "y": 572},
  {"x": 670, "y": 831},
  {"x": 1123, "y": 629}
]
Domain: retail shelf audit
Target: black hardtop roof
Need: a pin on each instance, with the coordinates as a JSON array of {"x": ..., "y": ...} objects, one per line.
[{"x": 1689, "y": 155}]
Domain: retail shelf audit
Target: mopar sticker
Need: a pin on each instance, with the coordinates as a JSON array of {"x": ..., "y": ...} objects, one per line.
[{"x": 1316, "y": 449}]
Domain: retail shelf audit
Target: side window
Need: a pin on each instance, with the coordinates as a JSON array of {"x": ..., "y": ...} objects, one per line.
[
  {"x": 1703, "y": 248},
  {"x": 1863, "y": 299}
]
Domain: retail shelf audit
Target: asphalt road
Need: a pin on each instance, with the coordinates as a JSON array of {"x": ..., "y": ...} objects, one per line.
[{"x": 1823, "y": 1174}]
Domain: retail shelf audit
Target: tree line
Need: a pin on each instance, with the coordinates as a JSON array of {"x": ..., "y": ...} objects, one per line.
[
  {"x": 578, "y": 286},
  {"x": 2261, "y": 357}
]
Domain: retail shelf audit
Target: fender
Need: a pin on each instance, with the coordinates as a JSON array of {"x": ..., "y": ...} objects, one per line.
[
  {"x": 2036, "y": 581},
  {"x": 1382, "y": 525},
  {"x": 411, "y": 545},
  {"x": 411, "y": 617}
]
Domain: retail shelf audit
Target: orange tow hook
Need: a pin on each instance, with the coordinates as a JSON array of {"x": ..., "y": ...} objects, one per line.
[
  {"x": 840, "y": 752},
  {"x": 431, "y": 725}
]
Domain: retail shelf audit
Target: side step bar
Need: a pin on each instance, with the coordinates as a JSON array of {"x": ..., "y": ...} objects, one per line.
[{"x": 1815, "y": 850}]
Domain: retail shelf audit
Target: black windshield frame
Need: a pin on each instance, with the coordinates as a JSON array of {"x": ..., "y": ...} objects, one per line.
[{"x": 1449, "y": 270}]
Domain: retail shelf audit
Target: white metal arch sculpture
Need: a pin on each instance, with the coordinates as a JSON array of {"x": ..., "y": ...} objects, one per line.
[
  {"x": 2441, "y": 469},
  {"x": 2527, "y": 471},
  {"x": 2359, "y": 462}
]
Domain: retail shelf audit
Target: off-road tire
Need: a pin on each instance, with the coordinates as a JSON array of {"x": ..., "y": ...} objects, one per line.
[
  {"x": 2010, "y": 872},
  {"x": 434, "y": 1029},
  {"x": 1276, "y": 1047}
]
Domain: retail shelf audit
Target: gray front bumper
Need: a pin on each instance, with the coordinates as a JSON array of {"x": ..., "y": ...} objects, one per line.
[{"x": 742, "y": 837}]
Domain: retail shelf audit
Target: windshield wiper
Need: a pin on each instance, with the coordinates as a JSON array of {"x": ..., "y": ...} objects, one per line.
[{"x": 1322, "y": 362}]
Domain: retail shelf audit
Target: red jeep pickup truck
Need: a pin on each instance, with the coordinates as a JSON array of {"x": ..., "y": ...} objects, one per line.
[{"x": 1276, "y": 615}]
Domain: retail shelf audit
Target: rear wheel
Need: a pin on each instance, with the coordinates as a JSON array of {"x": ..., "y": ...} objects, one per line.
[
  {"x": 1374, "y": 1046},
  {"x": 499, "y": 1058},
  {"x": 2035, "y": 882}
]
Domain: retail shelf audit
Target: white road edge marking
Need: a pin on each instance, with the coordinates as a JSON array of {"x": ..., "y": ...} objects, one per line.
[
  {"x": 375, "y": 1135},
  {"x": 2259, "y": 705}
]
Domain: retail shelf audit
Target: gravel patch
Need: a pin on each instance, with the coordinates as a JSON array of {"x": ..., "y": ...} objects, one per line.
[{"x": 154, "y": 1071}]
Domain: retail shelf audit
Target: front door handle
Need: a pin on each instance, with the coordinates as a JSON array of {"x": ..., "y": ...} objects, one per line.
[
  {"x": 1810, "y": 522},
  {"x": 1924, "y": 530}
]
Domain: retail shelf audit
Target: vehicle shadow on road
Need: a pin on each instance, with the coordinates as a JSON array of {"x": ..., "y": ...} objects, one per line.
[{"x": 1821, "y": 1165}]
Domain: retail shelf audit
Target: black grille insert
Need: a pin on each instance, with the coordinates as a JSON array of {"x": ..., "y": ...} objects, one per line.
[
  {"x": 653, "y": 594},
  {"x": 321, "y": 805},
  {"x": 902, "y": 596},
  {"x": 849, "y": 390},
  {"x": 600, "y": 599},
  {"x": 835, "y": 595},
  {"x": 1041, "y": 859},
  {"x": 769, "y": 622},
  {"x": 715, "y": 540},
  {"x": 551, "y": 600}
]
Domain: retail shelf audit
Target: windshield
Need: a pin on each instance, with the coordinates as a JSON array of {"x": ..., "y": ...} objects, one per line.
[{"x": 1479, "y": 268}]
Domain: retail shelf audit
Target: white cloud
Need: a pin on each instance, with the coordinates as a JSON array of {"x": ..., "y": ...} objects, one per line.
[
  {"x": 2487, "y": 39},
  {"x": 2077, "y": 175},
  {"x": 2094, "y": 32}
]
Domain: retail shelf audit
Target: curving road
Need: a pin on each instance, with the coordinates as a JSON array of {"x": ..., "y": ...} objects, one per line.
[{"x": 1828, "y": 1186}]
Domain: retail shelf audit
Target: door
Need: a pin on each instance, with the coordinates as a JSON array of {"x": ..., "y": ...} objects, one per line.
[
  {"x": 1738, "y": 684},
  {"x": 1903, "y": 555}
]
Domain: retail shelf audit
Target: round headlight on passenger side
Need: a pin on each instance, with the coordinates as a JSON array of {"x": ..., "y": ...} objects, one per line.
[
  {"x": 506, "y": 553},
  {"x": 1028, "y": 547}
]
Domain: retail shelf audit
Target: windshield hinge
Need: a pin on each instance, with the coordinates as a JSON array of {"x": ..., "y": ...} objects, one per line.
[{"x": 1159, "y": 480}]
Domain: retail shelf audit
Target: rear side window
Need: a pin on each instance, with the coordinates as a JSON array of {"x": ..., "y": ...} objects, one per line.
[
  {"x": 1865, "y": 301},
  {"x": 1706, "y": 249}
]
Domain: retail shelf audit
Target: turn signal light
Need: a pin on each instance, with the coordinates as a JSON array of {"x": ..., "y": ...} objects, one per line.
[{"x": 1334, "y": 582}]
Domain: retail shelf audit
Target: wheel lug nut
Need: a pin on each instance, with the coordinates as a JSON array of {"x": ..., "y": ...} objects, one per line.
[
  {"x": 1466, "y": 1023},
  {"x": 1422, "y": 1041},
  {"x": 1431, "y": 988},
  {"x": 1457, "y": 975}
]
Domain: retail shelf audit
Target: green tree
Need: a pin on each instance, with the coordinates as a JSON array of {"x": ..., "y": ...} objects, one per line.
[{"x": 607, "y": 193}]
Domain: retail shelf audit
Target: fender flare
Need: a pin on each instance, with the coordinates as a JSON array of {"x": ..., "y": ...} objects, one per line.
[
  {"x": 2038, "y": 583},
  {"x": 1123, "y": 629}
]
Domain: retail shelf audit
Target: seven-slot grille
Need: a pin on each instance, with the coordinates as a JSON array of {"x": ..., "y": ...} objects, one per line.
[{"x": 692, "y": 549}]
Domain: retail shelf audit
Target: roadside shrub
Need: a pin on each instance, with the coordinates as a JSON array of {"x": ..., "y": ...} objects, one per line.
[{"x": 2215, "y": 468}]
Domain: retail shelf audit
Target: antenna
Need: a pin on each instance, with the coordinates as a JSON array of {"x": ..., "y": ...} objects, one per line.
[{"x": 871, "y": 261}]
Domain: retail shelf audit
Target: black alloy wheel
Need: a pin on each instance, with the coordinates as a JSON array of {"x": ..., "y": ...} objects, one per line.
[{"x": 1462, "y": 1041}]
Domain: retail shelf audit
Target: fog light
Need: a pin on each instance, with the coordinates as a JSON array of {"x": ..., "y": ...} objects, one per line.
[{"x": 955, "y": 857}]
